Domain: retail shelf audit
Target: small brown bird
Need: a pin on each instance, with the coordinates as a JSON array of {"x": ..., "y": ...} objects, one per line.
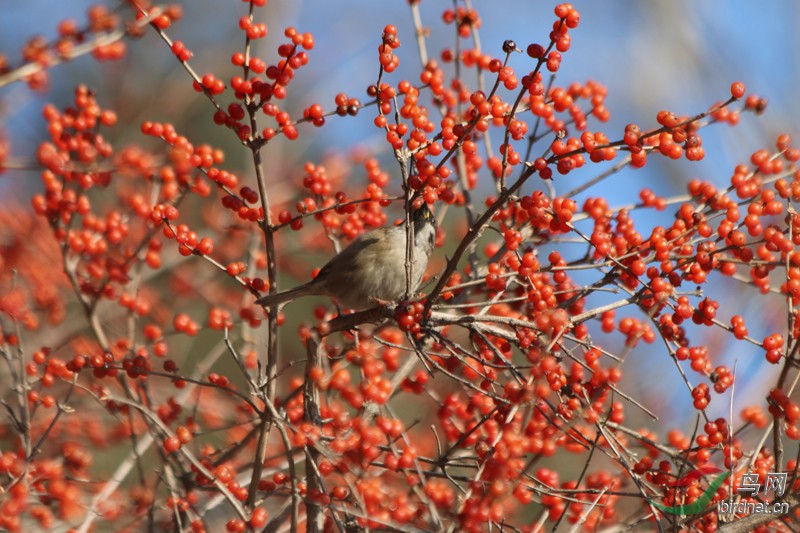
[{"x": 372, "y": 268}]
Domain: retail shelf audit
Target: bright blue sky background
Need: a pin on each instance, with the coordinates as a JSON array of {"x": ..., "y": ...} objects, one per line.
[{"x": 680, "y": 55}]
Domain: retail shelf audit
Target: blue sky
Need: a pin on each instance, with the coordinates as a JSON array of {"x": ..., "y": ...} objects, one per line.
[{"x": 678, "y": 55}]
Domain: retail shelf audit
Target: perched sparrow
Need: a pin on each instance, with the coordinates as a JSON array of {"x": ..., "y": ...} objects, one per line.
[{"x": 372, "y": 268}]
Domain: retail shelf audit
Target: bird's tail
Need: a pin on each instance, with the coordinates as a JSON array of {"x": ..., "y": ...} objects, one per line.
[{"x": 272, "y": 300}]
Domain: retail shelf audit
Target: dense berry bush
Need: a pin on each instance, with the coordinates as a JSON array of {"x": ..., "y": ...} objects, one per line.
[{"x": 145, "y": 389}]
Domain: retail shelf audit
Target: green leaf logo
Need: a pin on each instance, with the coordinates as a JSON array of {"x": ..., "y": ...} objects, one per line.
[{"x": 700, "y": 503}]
